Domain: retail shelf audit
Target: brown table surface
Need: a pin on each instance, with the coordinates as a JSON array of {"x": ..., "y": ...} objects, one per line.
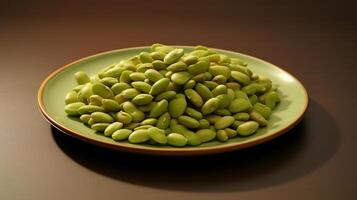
[{"x": 316, "y": 42}]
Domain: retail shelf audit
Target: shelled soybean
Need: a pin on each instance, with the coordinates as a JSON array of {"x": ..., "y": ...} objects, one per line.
[{"x": 169, "y": 96}]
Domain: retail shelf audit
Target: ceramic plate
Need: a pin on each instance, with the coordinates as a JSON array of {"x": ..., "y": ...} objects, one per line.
[{"x": 289, "y": 112}]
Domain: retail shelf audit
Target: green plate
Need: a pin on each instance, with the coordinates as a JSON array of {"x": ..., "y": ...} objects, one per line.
[{"x": 289, "y": 112}]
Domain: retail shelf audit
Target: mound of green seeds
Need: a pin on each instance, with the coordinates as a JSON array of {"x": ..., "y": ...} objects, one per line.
[{"x": 169, "y": 96}]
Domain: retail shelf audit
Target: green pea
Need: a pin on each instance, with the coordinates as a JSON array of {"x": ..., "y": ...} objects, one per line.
[
  {"x": 206, "y": 135},
  {"x": 139, "y": 136},
  {"x": 81, "y": 77},
  {"x": 121, "y": 134},
  {"x": 158, "y": 135},
  {"x": 72, "y": 108},
  {"x": 176, "y": 139},
  {"x": 256, "y": 116},
  {"x": 159, "y": 86},
  {"x": 142, "y": 99},
  {"x": 222, "y": 135},
  {"x": 153, "y": 75},
  {"x": 188, "y": 121},
  {"x": 130, "y": 93},
  {"x": 102, "y": 90},
  {"x": 210, "y": 106},
  {"x": 240, "y": 77},
  {"x": 194, "y": 97},
  {"x": 242, "y": 116},
  {"x": 193, "y": 113},
  {"x": 199, "y": 67},
  {"x": 264, "y": 110},
  {"x": 173, "y": 56},
  {"x": 247, "y": 128},
  {"x": 112, "y": 128},
  {"x": 224, "y": 122},
  {"x": 168, "y": 95},
  {"x": 203, "y": 91},
  {"x": 177, "y": 67},
  {"x": 100, "y": 126},
  {"x": 177, "y": 106},
  {"x": 159, "y": 109},
  {"x": 180, "y": 78},
  {"x": 101, "y": 117},
  {"x": 164, "y": 121},
  {"x": 71, "y": 97},
  {"x": 239, "y": 105}
]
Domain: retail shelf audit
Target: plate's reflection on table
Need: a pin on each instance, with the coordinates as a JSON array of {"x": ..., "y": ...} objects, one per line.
[{"x": 292, "y": 155}]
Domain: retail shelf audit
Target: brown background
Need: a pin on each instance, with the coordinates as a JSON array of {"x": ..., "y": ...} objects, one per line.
[{"x": 314, "y": 41}]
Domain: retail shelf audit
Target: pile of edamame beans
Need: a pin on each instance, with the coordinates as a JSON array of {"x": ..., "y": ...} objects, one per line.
[{"x": 169, "y": 96}]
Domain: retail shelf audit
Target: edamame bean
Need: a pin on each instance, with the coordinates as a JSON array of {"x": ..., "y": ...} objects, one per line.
[
  {"x": 239, "y": 105},
  {"x": 121, "y": 134},
  {"x": 130, "y": 93},
  {"x": 145, "y": 57},
  {"x": 210, "y": 106},
  {"x": 221, "y": 89},
  {"x": 149, "y": 121},
  {"x": 153, "y": 75},
  {"x": 230, "y": 132},
  {"x": 137, "y": 76},
  {"x": 102, "y": 90},
  {"x": 173, "y": 55},
  {"x": 222, "y": 135},
  {"x": 85, "y": 118},
  {"x": 206, "y": 135},
  {"x": 84, "y": 93},
  {"x": 224, "y": 122},
  {"x": 168, "y": 95},
  {"x": 110, "y": 105},
  {"x": 241, "y": 116},
  {"x": 71, "y": 97},
  {"x": 164, "y": 121},
  {"x": 82, "y": 77},
  {"x": 136, "y": 114},
  {"x": 158, "y": 135},
  {"x": 177, "y": 106},
  {"x": 204, "y": 123},
  {"x": 264, "y": 110},
  {"x": 193, "y": 113},
  {"x": 199, "y": 67},
  {"x": 180, "y": 78},
  {"x": 72, "y": 108},
  {"x": 176, "y": 139},
  {"x": 139, "y": 136},
  {"x": 247, "y": 128},
  {"x": 216, "y": 70},
  {"x": 101, "y": 117},
  {"x": 203, "y": 91},
  {"x": 240, "y": 77},
  {"x": 159, "y": 108},
  {"x": 88, "y": 109},
  {"x": 112, "y": 128},
  {"x": 188, "y": 121},
  {"x": 177, "y": 67},
  {"x": 159, "y": 86},
  {"x": 256, "y": 116},
  {"x": 100, "y": 126},
  {"x": 194, "y": 97},
  {"x": 271, "y": 99},
  {"x": 142, "y": 99}
]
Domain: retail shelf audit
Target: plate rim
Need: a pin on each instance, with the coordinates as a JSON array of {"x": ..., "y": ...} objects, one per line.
[{"x": 165, "y": 151}]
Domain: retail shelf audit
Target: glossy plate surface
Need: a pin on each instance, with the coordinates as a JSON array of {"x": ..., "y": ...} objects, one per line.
[{"x": 289, "y": 112}]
